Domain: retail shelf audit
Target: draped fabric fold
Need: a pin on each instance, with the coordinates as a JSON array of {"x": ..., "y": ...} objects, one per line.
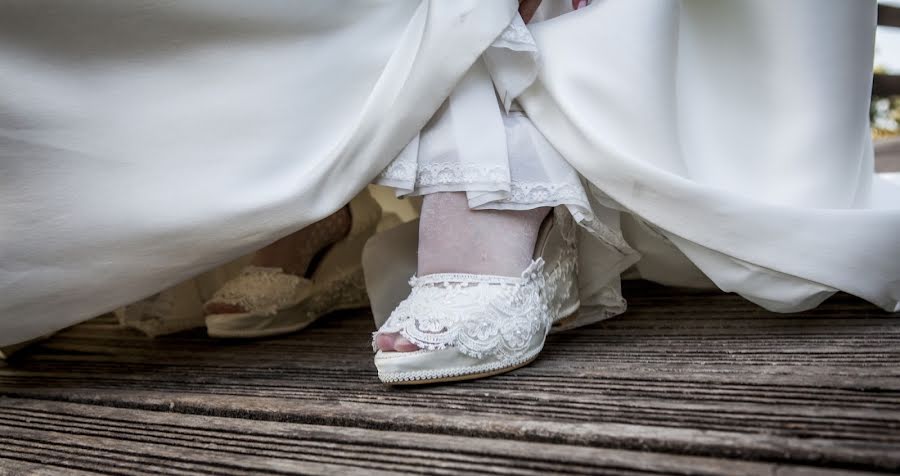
[
  {"x": 736, "y": 130},
  {"x": 725, "y": 143},
  {"x": 144, "y": 142}
]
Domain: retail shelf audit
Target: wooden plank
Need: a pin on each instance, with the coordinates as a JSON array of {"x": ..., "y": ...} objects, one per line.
[
  {"x": 888, "y": 16},
  {"x": 887, "y": 155},
  {"x": 885, "y": 85},
  {"x": 684, "y": 372},
  {"x": 18, "y": 467},
  {"x": 90, "y": 438}
]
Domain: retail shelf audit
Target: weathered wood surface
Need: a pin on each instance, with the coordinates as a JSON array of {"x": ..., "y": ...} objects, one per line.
[
  {"x": 885, "y": 85},
  {"x": 137, "y": 441},
  {"x": 888, "y": 16},
  {"x": 687, "y": 382},
  {"x": 887, "y": 155}
]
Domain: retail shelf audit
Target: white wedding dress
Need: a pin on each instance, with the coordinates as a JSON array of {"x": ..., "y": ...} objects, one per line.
[{"x": 144, "y": 142}]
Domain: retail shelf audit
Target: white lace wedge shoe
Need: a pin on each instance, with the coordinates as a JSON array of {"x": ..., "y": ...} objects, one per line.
[
  {"x": 279, "y": 303},
  {"x": 471, "y": 326}
]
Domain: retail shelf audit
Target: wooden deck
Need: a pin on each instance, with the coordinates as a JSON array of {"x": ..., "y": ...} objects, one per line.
[{"x": 686, "y": 382}]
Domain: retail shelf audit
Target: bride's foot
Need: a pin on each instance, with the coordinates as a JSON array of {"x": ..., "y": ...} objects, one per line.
[
  {"x": 293, "y": 254},
  {"x": 299, "y": 278},
  {"x": 456, "y": 239},
  {"x": 492, "y": 286}
]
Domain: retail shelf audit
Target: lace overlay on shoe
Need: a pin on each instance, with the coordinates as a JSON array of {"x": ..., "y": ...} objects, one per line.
[
  {"x": 558, "y": 280},
  {"x": 479, "y": 315},
  {"x": 262, "y": 290},
  {"x": 482, "y": 315},
  {"x": 347, "y": 292}
]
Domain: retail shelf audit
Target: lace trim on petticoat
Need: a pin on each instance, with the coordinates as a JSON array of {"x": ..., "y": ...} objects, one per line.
[
  {"x": 516, "y": 36},
  {"x": 461, "y": 175},
  {"x": 450, "y": 173},
  {"x": 510, "y": 75},
  {"x": 401, "y": 170},
  {"x": 476, "y": 314},
  {"x": 545, "y": 192},
  {"x": 442, "y": 174},
  {"x": 457, "y": 176}
]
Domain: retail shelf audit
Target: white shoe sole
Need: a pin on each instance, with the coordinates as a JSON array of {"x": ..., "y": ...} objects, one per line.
[
  {"x": 456, "y": 374},
  {"x": 473, "y": 372}
]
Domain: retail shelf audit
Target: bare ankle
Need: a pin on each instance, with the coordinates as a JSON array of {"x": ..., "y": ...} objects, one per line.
[{"x": 456, "y": 239}]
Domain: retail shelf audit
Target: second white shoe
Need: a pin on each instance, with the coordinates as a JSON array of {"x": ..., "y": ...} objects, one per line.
[{"x": 278, "y": 303}]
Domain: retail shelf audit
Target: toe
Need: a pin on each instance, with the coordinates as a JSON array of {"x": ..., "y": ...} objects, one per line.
[
  {"x": 385, "y": 342},
  {"x": 394, "y": 342},
  {"x": 402, "y": 344}
]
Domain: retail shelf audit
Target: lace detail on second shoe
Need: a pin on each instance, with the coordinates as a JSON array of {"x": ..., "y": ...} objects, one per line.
[
  {"x": 263, "y": 289},
  {"x": 479, "y": 315},
  {"x": 346, "y": 292}
]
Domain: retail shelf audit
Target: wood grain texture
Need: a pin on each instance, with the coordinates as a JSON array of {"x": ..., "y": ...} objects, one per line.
[
  {"x": 84, "y": 437},
  {"x": 888, "y": 16},
  {"x": 684, "y": 374},
  {"x": 885, "y": 85},
  {"x": 887, "y": 155}
]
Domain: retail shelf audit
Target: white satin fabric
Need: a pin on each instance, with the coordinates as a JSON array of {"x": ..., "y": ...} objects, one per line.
[
  {"x": 738, "y": 131},
  {"x": 144, "y": 142},
  {"x": 481, "y": 143},
  {"x": 148, "y": 141},
  {"x": 726, "y": 144}
]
